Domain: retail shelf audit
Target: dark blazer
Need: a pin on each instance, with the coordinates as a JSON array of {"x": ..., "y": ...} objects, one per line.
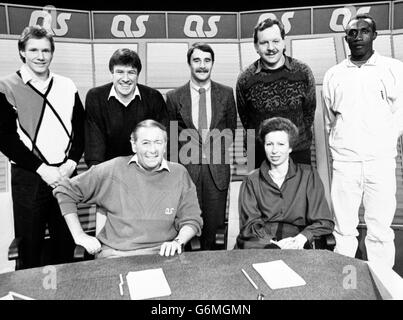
[{"x": 224, "y": 116}]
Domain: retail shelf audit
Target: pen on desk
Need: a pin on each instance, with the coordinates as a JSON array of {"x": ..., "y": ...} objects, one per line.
[
  {"x": 249, "y": 278},
  {"x": 121, "y": 284}
]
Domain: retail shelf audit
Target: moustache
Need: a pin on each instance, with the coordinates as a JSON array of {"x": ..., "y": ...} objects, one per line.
[{"x": 202, "y": 70}]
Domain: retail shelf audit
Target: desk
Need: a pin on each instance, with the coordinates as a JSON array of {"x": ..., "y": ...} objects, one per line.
[{"x": 201, "y": 275}]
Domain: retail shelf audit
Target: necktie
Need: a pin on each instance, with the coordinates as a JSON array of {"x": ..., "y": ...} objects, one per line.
[{"x": 202, "y": 114}]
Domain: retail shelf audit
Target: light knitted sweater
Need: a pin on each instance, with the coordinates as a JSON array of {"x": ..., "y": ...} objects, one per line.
[{"x": 144, "y": 209}]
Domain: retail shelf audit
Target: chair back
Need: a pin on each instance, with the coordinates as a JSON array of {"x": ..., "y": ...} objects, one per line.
[
  {"x": 233, "y": 214},
  {"x": 100, "y": 221}
]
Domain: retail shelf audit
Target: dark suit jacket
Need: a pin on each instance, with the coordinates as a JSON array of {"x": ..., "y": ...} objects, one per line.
[{"x": 224, "y": 116}]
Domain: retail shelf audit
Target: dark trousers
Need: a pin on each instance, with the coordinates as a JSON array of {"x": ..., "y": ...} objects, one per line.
[
  {"x": 212, "y": 203},
  {"x": 35, "y": 208},
  {"x": 301, "y": 156}
]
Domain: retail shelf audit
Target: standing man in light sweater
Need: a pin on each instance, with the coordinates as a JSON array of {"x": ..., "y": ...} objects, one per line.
[
  {"x": 42, "y": 134},
  {"x": 363, "y": 98},
  {"x": 151, "y": 203}
]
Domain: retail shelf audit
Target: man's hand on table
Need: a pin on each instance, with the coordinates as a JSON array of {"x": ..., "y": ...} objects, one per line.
[
  {"x": 171, "y": 247},
  {"x": 91, "y": 244}
]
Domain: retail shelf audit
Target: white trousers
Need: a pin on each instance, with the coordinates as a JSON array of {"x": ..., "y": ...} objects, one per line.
[{"x": 373, "y": 182}]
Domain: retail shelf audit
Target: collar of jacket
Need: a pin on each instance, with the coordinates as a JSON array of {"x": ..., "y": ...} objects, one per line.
[{"x": 265, "y": 167}]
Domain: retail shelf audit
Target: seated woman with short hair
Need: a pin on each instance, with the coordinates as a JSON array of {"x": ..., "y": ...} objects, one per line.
[{"x": 282, "y": 204}]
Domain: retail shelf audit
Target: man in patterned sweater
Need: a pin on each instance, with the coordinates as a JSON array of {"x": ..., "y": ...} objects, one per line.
[
  {"x": 42, "y": 134},
  {"x": 277, "y": 86}
]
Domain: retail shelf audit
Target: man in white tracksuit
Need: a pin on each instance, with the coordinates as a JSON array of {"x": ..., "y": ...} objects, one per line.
[{"x": 363, "y": 99}]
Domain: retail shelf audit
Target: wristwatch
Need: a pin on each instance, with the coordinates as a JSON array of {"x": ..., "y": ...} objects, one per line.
[{"x": 178, "y": 241}]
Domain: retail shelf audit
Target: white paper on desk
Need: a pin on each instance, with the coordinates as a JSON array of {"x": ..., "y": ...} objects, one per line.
[
  {"x": 15, "y": 296},
  {"x": 147, "y": 284},
  {"x": 278, "y": 274}
]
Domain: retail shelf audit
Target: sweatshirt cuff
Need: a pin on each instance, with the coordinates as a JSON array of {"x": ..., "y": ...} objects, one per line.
[
  {"x": 194, "y": 225},
  {"x": 308, "y": 235},
  {"x": 67, "y": 207}
]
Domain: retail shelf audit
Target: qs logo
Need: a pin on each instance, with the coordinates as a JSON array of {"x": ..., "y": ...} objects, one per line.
[
  {"x": 285, "y": 19},
  {"x": 127, "y": 31},
  {"x": 347, "y": 13},
  {"x": 51, "y": 20},
  {"x": 198, "y": 31},
  {"x": 169, "y": 211}
]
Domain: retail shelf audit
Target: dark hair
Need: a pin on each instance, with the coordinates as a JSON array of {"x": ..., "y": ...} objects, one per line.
[
  {"x": 267, "y": 23},
  {"x": 201, "y": 46},
  {"x": 148, "y": 123},
  {"x": 125, "y": 57},
  {"x": 34, "y": 32},
  {"x": 364, "y": 16},
  {"x": 279, "y": 124}
]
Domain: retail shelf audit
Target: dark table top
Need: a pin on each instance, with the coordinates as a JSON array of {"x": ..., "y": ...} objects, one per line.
[{"x": 204, "y": 275}]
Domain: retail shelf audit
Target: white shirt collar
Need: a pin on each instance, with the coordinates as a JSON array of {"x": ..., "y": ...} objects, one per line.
[
  {"x": 163, "y": 166},
  {"x": 372, "y": 61},
  {"x": 196, "y": 87},
  {"x": 27, "y": 75},
  {"x": 113, "y": 93}
]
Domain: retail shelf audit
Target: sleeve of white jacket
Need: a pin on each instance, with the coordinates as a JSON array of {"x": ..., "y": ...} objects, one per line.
[
  {"x": 398, "y": 103},
  {"x": 327, "y": 95}
]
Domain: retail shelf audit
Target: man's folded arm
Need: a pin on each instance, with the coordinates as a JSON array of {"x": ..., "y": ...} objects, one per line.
[
  {"x": 91, "y": 244},
  {"x": 69, "y": 193}
]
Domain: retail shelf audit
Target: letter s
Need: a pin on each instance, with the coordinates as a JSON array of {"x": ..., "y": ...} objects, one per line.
[
  {"x": 285, "y": 19},
  {"x": 61, "y": 20},
  {"x": 212, "y": 23},
  {"x": 363, "y": 10},
  {"x": 56, "y": 19},
  {"x": 140, "y": 25}
]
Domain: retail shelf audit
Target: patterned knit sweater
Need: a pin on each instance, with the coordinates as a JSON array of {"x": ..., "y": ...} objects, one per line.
[
  {"x": 38, "y": 128},
  {"x": 288, "y": 92}
]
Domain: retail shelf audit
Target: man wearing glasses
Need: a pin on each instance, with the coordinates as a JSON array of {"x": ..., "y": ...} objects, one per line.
[{"x": 113, "y": 110}]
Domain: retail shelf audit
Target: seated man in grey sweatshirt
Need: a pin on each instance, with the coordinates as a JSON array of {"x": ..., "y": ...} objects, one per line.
[{"x": 151, "y": 203}]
